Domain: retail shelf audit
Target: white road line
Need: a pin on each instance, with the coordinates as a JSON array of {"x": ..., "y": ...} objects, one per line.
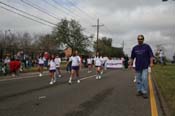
[
  {"x": 32, "y": 76},
  {"x": 17, "y": 78},
  {"x": 87, "y": 77}
]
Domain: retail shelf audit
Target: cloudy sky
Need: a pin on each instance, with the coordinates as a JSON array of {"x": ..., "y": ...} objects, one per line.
[{"x": 123, "y": 20}]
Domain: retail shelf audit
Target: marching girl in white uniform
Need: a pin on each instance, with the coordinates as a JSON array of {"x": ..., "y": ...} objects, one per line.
[
  {"x": 41, "y": 64},
  {"x": 58, "y": 62},
  {"x": 76, "y": 64},
  {"x": 52, "y": 70},
  {"x": 89, "y": 62},
  {"x": 98, "y": 64},
  {"x": 103, "y": 64}
]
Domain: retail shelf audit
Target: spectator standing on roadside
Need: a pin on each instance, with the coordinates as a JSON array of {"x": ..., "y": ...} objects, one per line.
[{"x": 143, "y": 55}]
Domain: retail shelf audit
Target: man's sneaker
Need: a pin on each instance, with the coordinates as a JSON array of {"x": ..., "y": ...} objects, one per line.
[
  {"x": 78, "y": 81},
  {"x": 139, "y": 93},
  {"x": 145, "y": 96},
  {"x": 99, "y": 77}
]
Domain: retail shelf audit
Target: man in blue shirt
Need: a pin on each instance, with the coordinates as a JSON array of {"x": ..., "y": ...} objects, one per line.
[{"x": 143, "y": 55}]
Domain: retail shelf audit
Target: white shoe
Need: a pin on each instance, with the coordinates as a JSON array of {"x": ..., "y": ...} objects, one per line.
[
  {"x": 13, "y": 75},
  {"x": 59, "y": 76},
  {"x": 70, "y": 82},
  {"x": 96, "y": 77},
  {"x": 20, "y": 69},
  {"x": 51, "y": 82},
  {"x": 54, "y": 81},
  {"x": 134, "y": 79},
  {"x": 40, "y": 75},
  {"x": 78, "y": 81},
  {"x": 99, "y": 77}
]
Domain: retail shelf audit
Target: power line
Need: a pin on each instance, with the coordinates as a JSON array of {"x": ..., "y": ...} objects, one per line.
[
  {"x": 41, "y": 10},
  {"x": 56, "y": 7},
  {"x": 48, "y": 3},
  {"x": 87, "y": 14},
  {"x": 27, "y": 13},
  {"x": 64, "y": 7},
  {"x": 25, "y": 16},
  {"x": 44, "y": 10},
  {"x": 73, "y": 4},
  {"x": 59, "y": 8},
  {"x": 67, "y": 9},
  {"x": 82, "y": 11}
]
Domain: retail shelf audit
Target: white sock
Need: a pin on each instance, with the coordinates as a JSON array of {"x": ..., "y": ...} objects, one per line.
[{"x": 70, "y": 79}]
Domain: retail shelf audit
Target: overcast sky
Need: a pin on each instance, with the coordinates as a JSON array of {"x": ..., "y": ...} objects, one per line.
[{"x": 123, "y": 20}]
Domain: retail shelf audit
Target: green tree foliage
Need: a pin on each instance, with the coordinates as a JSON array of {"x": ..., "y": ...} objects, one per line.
[
  {"x": 48, "y": 43},
  {"x": 105, "y": 48},
  {"x": 69, "y": 33}
]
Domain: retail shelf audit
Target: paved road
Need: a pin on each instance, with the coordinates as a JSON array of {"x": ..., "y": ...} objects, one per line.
[{"x": 113, "y": 95}]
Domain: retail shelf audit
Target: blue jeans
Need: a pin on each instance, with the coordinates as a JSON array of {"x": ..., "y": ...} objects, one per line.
[{"x": 142, "y": 81}]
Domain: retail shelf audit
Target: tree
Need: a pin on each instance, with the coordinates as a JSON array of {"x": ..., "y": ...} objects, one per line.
[
  {"x": 69, "y": 33},
  {"x": 105, "y": 48},
  {"x": 48, "y": 43}
]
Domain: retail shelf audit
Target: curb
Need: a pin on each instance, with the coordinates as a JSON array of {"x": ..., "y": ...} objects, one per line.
[{"x": 163, "y": 104}]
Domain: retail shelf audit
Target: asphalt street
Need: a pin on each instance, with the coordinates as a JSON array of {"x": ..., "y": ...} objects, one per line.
[{"x": 113, "y": 95}]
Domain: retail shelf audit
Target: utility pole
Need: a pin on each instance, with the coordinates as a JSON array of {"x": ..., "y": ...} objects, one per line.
[
  {"x": 98, "y": 26},
  {"x": 123, "y": 45}
]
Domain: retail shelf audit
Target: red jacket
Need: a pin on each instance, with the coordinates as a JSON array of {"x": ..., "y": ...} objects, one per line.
[{"x": 14, "y": 65}]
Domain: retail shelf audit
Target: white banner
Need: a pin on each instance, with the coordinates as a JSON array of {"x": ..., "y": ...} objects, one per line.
[{"x": 114, "y": 64}]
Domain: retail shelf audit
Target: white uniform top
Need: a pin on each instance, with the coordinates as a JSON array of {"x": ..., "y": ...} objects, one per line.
[
  {"x": 7, "y": 60},
  {"x": 52, "y": 65},
  {"x": 57, "y": 61},
  {"x": 105, "y": 59},
  {"x": 76, "y": 60},
  {"x": 89, "y": 60},
  {"x": 161, "y": 54},
  {"x": 98, "y": 61},
  {"x": 41, "y": 61},
  {"x": 102, "y": 60}
]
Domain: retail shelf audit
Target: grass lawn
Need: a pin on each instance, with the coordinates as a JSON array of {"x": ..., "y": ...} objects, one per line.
[{"x": 165, "y": 77}]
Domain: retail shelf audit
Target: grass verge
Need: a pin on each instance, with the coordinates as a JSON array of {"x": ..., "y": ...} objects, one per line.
[{"x": 165, "y": 77}]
